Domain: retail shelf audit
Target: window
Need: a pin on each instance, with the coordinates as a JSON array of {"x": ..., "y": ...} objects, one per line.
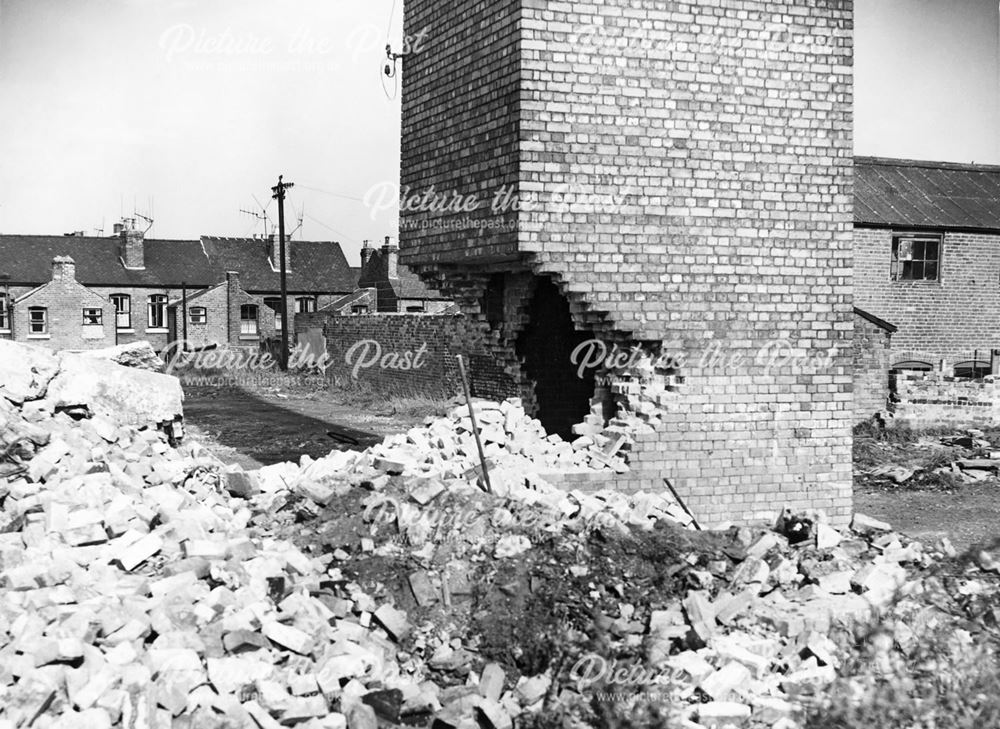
[
  {"x": 123, "y": 310},
  {"x": 198, "y": 315},
  {"x": 157, "y": 312},
  {"x": 93, "y": 317},
  {"x": 38, "y": 320},
  {"x": 415, "y": 309},
  {"x": 972, "y": 369},
  {"x": 913, "y": 366},
  {"x": 916, "y": 257},
  {"x": 4, "y": 313},
  {"x": 274, "y": 304},
  {"x": 305, "y": 304},
  {"x": 359, "y": 309},
  {"x": 248, "y": 320}
]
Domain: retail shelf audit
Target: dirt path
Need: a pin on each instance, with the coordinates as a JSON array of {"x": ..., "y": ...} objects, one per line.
[
  {"x": 254, "y": 430},
  {"x": 967, "y": 516}
]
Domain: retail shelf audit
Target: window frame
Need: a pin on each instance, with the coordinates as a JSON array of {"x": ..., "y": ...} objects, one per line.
[
  {"x": 277, "y": 312},
  {"x": 151, "y": 305},
  {"x": 922, "y": 237},
  {"x": 244, "y": 320},
  {"x": 4, "y": 313},
  {"x": 44, "y": 321},
  {"x": 99, "y": 320},
  {"x": 305, "y": 304},
  {"x": 198, "y": 311},
  {"x": 125, "y": 312}
]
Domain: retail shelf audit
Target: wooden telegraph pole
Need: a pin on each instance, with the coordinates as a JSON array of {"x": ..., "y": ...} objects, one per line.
[{"x": 279, "y": 195}]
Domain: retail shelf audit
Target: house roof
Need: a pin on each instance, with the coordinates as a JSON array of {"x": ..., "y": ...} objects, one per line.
[
  {"x": 316, "y": 266},
  {"x": 407, "y": 286},
  {"x": 193, "y": 298},
  {"x": 912, "y": 193},
  {"x": 347, "y": 300}
]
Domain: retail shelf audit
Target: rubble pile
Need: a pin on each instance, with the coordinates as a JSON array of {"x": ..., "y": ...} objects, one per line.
[
  {"x": 962, "y": 458},
  {"x": 444, "y": 449},
  {"x": 143, "y": 583}
]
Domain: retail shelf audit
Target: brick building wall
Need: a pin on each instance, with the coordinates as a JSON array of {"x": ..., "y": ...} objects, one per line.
[
  {"x": 684, "y": 175},
  {"x": 63, "y": 301},
  {"x": 222, "y": 321},
  {"x": 952, "y": 318},
  {"x": 430, "y": 342},
  {"x": 872, "y": 355}
]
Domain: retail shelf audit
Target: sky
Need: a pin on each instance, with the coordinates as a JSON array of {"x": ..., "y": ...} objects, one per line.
[{"x": 186, "y": 111}]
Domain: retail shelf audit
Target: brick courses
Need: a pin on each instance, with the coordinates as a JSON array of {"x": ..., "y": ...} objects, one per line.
[
  {"x": 685, "y": 171},
  {"x": 441, "y": 338},
  {"x": 872, "y": 355},
  {"x": 953, "y": 318},
  {"x": 931, "y": 399},
  {"x": 64, "y": 300}
]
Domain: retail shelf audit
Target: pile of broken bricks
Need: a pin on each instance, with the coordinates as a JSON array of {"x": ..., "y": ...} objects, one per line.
[
  {"x": 143, "y": 584},
  {"x": 981, "y": 461}
]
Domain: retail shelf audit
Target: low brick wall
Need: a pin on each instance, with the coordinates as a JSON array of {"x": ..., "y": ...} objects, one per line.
[
  {"x": 409, "y": 354},
  {"x": 872, "y": 355},
  {"x": 931, "y": 399}
]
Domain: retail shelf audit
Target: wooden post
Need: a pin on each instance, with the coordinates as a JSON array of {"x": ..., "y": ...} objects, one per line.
[{"x": 475, "y": 427}]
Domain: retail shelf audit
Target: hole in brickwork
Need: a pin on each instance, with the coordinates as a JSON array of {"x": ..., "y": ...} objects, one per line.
[{"x": 546, "y": 346}]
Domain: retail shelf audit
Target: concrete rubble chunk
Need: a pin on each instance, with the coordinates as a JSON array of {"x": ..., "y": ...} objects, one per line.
[
  {"x": 25, "y": 371},
  {"x": 138, "y": 355},
  {"x": 862, "y": 523},
  {"x": 721, "y": 683},
  {"x": 129, "y": 396}
]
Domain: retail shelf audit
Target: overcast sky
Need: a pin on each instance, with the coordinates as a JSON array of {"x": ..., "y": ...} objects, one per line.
[{"x": 185, "y": 110}]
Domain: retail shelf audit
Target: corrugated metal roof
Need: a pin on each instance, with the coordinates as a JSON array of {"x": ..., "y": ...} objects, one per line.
[{"x": 912, "y": 193}]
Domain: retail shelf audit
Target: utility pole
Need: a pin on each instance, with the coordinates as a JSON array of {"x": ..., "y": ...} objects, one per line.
[{"x": 279, "y": 195}]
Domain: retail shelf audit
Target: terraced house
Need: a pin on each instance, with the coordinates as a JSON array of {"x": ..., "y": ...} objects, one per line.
[{"x": 82, "y": 292}]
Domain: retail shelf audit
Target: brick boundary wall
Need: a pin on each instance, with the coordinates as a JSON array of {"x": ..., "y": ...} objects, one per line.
[
  {"x": 440, "y": 337},
  {"x": 872, "y": 355},
  {"x": 930, "y": 399}
]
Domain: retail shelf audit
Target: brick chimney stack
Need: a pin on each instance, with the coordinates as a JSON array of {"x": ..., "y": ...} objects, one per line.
[
  {"x": 390, "y": 252},
  {"x": 63, "y": 269},
  {"x": 275, "y": 252},
  {"x": 367, "y": 251},
  {"x": 133, "y": 249}
]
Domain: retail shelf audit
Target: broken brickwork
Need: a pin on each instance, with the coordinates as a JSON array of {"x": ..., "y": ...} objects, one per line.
[
  {"x": 682, "y": 174},
  {"x": 931, "y": 399}
]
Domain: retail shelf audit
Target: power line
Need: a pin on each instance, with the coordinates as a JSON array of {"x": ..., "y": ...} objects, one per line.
[
  {"x": 328, "y": 192},
  {"x": 331, "y": 228}
]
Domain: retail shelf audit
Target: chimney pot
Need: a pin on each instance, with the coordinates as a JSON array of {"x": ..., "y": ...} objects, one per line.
[{"x": 367, "y": 251}]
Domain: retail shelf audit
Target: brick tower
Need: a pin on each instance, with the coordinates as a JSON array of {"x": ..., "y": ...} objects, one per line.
[{"x": 674, "y": 178}]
